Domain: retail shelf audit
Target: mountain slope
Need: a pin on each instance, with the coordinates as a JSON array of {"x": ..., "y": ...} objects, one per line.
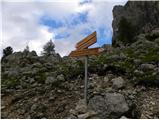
[{"x": 123, "y": 80}]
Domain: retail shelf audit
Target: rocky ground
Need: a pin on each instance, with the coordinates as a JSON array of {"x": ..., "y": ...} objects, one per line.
[{"x": 123, "y": 83}]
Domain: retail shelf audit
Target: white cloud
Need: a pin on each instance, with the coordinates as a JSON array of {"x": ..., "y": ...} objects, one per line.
[
  {"x": 20, "y": 26},
  {"x": 20, "y": 22}
]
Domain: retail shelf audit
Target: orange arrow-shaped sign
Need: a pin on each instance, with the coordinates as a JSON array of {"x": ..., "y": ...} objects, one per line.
[
  {"x": 82, "y": 47},
  {"x": 86, "y": 42},
  {"x": 79, "y": 53}
]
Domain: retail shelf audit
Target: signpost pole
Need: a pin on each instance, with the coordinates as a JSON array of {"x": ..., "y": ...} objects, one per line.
[
  {"x": 86, "y": 81},
  {"x": 83, "y": 50}
]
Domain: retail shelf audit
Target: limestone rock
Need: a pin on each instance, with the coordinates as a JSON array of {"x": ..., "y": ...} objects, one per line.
[
  {"x": 106, "y": 79},
  {"x": 37, "y": 65},
  {"x": 61, "y": 78},
  {"x": 50, "y": 80},
  {"x": 146, "y": 67},
  {"x": 73, "y": 112},
  {"x": 87, "y": 115},
  {"x": 112, "y": 105},
  {"x": 118, "y": 83},
  {"x": 31, "y": 80},
  {"x": 81, "y": 106},
  {"x": 123, "y": 117}
]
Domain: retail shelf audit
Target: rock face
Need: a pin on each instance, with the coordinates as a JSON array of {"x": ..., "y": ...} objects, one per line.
[
  {"x": 141, "y": 14},
  {"x": 112, "y": 105}
]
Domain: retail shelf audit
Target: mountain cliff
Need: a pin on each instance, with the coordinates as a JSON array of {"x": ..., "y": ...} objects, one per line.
[{"x": 142, "y": 16}]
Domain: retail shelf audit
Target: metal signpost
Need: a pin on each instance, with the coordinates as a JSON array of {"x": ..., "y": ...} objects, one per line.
[
  {"x": 82, "y": 50},
  {"x": 86, "y": 80}
]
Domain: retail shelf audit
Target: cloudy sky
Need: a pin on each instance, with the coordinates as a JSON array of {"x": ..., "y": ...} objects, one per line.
[{"x": 35, "y": 22}]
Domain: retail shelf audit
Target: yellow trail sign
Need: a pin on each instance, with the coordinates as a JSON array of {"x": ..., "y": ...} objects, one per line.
[
  {"x": 84, "y": 52},
  {"x": 86, "y": 42},
  {"x": 82, "y": 47}
]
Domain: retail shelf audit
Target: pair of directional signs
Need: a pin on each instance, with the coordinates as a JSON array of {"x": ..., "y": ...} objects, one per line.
[
  {"x": 82, "y": 47},
  {"x": 83, "y": 50}
]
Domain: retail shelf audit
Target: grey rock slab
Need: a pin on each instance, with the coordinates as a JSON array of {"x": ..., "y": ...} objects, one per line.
[
  {"x": 60, "y": 78},
  {"x": 106, "y": 79},
  {"x": 111, "y": 105},
  {"x": 81, "y": 106},
  {"x": 146, "y": 67},
  {"x": 87, "y": 115},
  {"x": 123, "y": 117},
  {"x": 118, "y": 83},
  {"x": 116, "y": 104},
  {"x": 50, "y": 80}
]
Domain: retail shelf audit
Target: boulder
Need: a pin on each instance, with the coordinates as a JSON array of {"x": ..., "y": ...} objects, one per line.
[
  {"x": 106, "y": 79},
  {"x": 37, "y": 65},
  {"x": 12, "y": 73},
  {"x": 97, "y": 103},
  {"x": 52, "y": 98},
  {"x": 86, "y": 115},
  {"x": 123, "y": 117},
  {"x": 146, "y": 67},
  {"x": 31, "y": 80},
  {"x": 73, "y": 112},
  {"x": 137, "y": 72},
  {"x": 116, "y": 104},
  {"x": 111, "y": 105},
  {"x": 153, "y": 34},
  {"x": 81, "y": 106},
  {"x": 117, "y": 57},
  {"x": 48, "y": 65},
  {"x": 50, "y": 80},
  {"x": 118, "y": 83},
  {"x": 61, "y": 78},
  {"x": 3, "y": 107}
]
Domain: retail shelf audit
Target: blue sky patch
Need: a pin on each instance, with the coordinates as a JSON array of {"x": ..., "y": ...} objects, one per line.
[
  {"x": 78, "y": 18},
  {"x": 62, "y": 35},
  {"x": 85, "y": 2},
  {"x": 50, "y": 22},
  {"x": 104, "y": 36},
  {"x": 86, "y": 32}
]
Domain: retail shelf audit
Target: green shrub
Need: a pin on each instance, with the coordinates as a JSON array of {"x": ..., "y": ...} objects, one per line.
[
  {"x": 148, "y": 78},
  {"x": 151, "y": 56},
  {"x": 11, "y": 83}
]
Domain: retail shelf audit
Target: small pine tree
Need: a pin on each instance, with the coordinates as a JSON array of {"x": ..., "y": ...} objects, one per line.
[
  {"x": 48, "y": 48},
  {"x": 7, "y": 51},
  {"x": 27, "y": 48}
]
